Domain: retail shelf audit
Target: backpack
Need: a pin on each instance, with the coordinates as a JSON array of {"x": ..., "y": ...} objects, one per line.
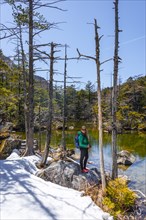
[{"x": 77, "y": 141}]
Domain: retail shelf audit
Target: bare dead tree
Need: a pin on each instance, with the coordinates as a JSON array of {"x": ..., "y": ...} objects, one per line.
[
  {"x": 114, "y": 94},
  {"x": 64, "y": 102},
  {"x": 100, "y": 125},
  {"x": 40, "y": 137},
  {"x": 50, "y": 106},
  {"x": 30, "y": 118}
]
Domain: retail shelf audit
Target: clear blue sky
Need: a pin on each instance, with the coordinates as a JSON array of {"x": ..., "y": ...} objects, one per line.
[{"x": 78, "y": 32}]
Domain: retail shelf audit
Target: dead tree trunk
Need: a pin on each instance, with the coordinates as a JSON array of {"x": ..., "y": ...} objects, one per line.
[
  {"x": 24, "y": 89},
  {"x": 114, "y": 95},
  {"x": 100, "y": 125},
  {"x": 64, "y": 102},
  {"x": 25, "y": 76},
  {"x": 30, "y": 118},
  {"x": 40, "y": 136},
  {"x": 50, "y": 107},
  {"x": 19, "y": 82}
]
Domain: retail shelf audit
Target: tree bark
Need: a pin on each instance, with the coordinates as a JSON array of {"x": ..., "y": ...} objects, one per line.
[
  {"x": 114, "y": 95},
  {"x": 100, "y": 126},
  {"x": 50, "y": 108},
  {"x": 25, "y": 76},
  {"x": 30, "y": 118},
  {"x": 64, "y": 103},
  {"x": 40, "y": 136}
]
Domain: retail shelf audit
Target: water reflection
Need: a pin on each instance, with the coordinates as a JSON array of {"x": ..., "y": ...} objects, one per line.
[{"x": 133, "y": 142}]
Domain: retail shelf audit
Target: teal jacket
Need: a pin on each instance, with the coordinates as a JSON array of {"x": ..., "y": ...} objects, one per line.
[{"x": 83, "y": 140}]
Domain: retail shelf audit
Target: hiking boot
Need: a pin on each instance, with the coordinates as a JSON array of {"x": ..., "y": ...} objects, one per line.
[{"x": 84, "y": 171}]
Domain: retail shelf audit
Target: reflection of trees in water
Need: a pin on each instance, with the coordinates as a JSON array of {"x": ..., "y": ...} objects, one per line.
[{"x": 135, "y": 143}]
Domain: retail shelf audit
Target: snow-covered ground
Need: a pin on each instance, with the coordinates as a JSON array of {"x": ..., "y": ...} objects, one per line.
[{"x": 25, "y": 196}]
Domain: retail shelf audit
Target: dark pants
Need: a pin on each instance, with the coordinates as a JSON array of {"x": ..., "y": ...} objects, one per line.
[{"x": 83, "y": 157}]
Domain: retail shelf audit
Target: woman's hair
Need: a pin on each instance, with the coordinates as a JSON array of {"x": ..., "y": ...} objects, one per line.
[{"x": 83, "y": 127}]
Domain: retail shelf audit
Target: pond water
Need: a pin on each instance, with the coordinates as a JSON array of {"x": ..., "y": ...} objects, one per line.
[{"x": 133, "y": 142}]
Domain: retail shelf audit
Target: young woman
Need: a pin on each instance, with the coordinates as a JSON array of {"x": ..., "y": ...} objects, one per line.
[{"x": 84, "y": 146}]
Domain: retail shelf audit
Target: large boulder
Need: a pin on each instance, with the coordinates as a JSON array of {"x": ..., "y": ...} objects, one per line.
[
  {"x": 68, "y": 174},
  {"x": 125, "y": 157},
  {"x": 8, "y": 146},
  {"x": 7, "y": 127}
]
